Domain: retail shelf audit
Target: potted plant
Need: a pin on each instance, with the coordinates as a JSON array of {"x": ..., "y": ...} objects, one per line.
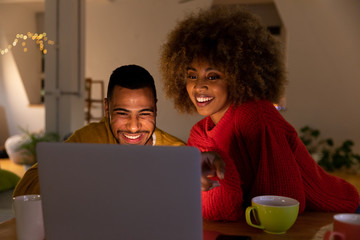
[
  {"x": 327, "y": 155},
  {"x": 22, "y": 148}
]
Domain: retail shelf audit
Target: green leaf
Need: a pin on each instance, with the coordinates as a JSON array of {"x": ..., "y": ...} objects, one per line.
[
  {"x": 315, "y": 133},
  {"x": 305, "y": 129},
  {"x": 32, "y": 139},
  {"x": 329, "y": 142}
]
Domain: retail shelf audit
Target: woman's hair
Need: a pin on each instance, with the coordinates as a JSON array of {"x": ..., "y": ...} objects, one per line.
[{"x": 236, "y": 43}]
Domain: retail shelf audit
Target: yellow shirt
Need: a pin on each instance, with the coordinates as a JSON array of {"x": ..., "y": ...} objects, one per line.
[{"x": 98, "y": 132}]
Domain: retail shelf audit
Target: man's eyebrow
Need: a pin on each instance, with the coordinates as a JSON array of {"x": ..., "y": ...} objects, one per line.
[
  {"x": 121, "y": 109},
  {"x": 147, "y": 110},
  {"x": 142, "y": 110}
]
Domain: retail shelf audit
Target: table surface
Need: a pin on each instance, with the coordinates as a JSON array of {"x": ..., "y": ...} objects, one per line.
[
  {"x": 7, "y": 164},
  {"x": 309, "y": 225}
]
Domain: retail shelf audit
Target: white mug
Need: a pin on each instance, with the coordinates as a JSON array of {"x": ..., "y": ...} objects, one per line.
[{"x": 29, "y": 217}]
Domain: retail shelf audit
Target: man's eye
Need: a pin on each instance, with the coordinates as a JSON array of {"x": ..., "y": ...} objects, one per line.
[
  {"x": 145, "y": 114},
  {"x": 121, "y": 113}
]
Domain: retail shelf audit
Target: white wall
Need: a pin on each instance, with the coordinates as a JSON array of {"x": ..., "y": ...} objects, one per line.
[
  {"x": 123, "y": 32},
  {"x": 324, "y": 66},
  {"x": 18, "y": 69}
]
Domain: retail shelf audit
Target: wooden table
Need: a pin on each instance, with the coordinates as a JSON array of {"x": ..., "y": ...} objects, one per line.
[
  {"x": 7, "y": 164},
  {"x": 8, "y": 230},
  {"x": 309, "y": 225}
]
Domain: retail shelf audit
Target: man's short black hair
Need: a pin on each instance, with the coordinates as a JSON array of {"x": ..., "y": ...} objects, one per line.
[{"x": 131, "y": 77}]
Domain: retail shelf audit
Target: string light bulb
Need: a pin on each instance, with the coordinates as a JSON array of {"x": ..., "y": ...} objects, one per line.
[{"x": 40, "y": 39}]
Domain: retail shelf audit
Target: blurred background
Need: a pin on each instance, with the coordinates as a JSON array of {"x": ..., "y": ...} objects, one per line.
[{"x": 93, "y": 37}]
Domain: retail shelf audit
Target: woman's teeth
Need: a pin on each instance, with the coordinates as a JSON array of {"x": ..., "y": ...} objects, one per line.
[{"x": 204, "y": 99}]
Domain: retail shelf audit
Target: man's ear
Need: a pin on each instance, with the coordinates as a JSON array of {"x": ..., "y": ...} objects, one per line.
[
  {"x": 156, "y": 107},
  {"x": 106, "y": 105}
]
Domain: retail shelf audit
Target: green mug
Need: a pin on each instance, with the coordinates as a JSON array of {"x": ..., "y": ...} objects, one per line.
[{"x": 273, "y": 214}]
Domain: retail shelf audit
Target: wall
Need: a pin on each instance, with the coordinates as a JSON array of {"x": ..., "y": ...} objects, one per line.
[
  {"x": 19, "y": 69},
  {"x": 323, "y": 60},
  {"x": 323, "y": 73},
  {"x": 324, "y": 66},
  {"x": 123, "y": 32}
]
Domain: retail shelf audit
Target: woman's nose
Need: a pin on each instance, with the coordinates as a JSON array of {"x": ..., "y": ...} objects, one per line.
[{"x": 200, "y": 83}]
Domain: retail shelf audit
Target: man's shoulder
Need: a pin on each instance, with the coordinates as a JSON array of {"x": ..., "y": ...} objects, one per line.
[
  {"x": 165, "y": 139},
  {"x": 95, "y": 132}
]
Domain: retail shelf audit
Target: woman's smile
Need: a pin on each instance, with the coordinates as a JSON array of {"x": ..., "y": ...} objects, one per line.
[
  {"x": 207, "y": 90},
  {"x": 202, "y": 101}
]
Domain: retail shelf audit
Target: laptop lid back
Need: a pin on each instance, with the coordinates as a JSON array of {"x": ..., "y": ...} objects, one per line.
[{"x": 108, "y": 191}]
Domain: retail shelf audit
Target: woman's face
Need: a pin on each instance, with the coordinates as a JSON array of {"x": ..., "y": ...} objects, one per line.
[{"x": 207, "y": 90}]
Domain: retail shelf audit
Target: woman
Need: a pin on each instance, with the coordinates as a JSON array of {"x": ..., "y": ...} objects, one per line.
[{"x": 225, "y": 65}]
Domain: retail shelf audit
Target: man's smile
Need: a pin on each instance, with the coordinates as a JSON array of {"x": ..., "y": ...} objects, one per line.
[{"x": 132, "y": 136}]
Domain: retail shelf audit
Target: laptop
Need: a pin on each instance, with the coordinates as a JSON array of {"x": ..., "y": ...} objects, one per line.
[{"x": 109, "y": 191}]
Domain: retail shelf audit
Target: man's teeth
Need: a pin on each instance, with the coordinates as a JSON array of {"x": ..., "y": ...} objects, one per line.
[
  {"x": 132, "y": 136},
  {"x": 204, "y": 99}
]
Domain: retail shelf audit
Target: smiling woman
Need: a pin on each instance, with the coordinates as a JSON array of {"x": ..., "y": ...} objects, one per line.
[
  {"x": 224, "y": 64},
  {"x": 207, "y": 90}
]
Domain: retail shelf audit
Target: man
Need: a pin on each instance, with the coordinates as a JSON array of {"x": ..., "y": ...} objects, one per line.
[{"x": 130, "y": 109}]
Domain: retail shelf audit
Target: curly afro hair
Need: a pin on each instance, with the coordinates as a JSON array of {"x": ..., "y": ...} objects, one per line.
[{"x": 232, "y": 40}]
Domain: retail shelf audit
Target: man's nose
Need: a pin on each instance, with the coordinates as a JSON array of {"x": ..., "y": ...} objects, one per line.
[{"x": 133, "y": 124}]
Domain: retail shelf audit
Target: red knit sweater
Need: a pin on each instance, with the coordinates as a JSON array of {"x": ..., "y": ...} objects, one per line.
[{"x": 263, "y": 155}]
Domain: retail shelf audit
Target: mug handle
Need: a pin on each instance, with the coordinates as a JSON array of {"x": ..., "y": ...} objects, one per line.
[
  {"x": 331, "y": 235},
  {"x": 248, "y": 217}
]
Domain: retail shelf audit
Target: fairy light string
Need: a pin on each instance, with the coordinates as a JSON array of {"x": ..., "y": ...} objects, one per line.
[{"x": 21, "y": 39}]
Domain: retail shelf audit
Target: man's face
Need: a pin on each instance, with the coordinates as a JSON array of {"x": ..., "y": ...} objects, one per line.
[{"x": 132, "y": 115}]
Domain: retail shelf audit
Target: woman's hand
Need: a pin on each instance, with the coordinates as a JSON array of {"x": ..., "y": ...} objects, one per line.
[{"x": 212, "y": 165}]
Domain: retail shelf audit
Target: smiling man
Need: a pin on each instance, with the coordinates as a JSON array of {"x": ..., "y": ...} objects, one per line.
[
  {"x": 132, "y": 115},
  {"x": 130, "y": 109},
  {"x": 130, "y": 119}
]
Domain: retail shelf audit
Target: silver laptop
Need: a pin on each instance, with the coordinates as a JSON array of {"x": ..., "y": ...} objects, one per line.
[{"x": 107, "y": 191}]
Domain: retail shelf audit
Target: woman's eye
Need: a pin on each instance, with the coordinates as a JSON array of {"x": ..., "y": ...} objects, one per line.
[
  {"x": 192, "y": 77},
  {"x": 213, "y": 77}
]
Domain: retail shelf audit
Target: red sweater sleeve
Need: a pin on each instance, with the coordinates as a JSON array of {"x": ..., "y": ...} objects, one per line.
[
  {"x": 286, "y": 168},
  {"x": 323, "y": 191},
  {"x": 277, "y": 172},
  {"x": 222, "y": 203}
]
